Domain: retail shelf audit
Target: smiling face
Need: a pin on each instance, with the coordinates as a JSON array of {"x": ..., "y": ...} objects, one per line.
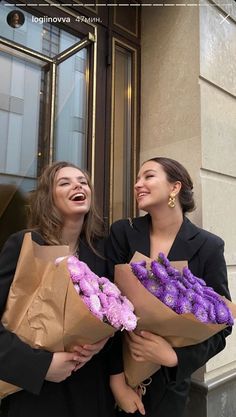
[
  {"x": 152, "y": 188},
  {"x": 71, "y": 193}
]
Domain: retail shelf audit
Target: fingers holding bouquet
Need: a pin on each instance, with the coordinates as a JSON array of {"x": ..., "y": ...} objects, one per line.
[
  {"x": 86, "y": 352},
  {"x": 150, "y": 347},
  {"x": 62, "y": 365}
]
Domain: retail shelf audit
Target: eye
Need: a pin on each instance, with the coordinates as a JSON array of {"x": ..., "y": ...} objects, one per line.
[
  {"x": 149, "y": 176},
  {"x": 84, "y": 182},
  {"x": 61, "y": 184}
]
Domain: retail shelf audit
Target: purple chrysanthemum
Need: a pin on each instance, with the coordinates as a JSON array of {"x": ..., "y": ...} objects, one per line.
[
  {"x": 111, "y": 289},
  {"x": 211, "y": 312},
  {"x": 154, "y": 287},
  {"x": 128, "y": 318},
  {"x": 188, "y": 275},
  {"x": 139, "y": 270},
  {"x": 198, "y": 288},
  {"x": 183, "y": 305},
  {"x": 200, "y": 313},
  {"x": 169, "y": 299},
  {"x": 208, "y": 291},
  {"x": 181, "y": 287},
  {"x": 171, "y": 287},
  {"x": 103, "y": 299},
  {"x": 223, "y": 315},
  {"x": 159, "y": 271},
  {"x": 125, "y": 302},
  {"x": 162, "y": 259},
  {"x": 95, "y": 306},
  {"x": 190, "y": 294},
  {"x": 86, "y": 288},
  {"x": 173, "y": 272}
]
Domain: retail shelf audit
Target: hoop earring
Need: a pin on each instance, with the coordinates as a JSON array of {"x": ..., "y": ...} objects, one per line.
[{"x": 171, "y": 201}]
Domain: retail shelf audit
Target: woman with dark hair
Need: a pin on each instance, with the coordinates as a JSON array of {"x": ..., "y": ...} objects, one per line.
[
  {"x": 164, "y": 190},
  {"x": 61, "y": 384}
]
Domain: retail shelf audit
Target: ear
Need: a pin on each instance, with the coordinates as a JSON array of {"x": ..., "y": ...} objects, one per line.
[{"x": 176, "y": 187}]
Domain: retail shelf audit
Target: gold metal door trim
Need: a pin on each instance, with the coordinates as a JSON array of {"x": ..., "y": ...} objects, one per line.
[
  {"x": 23, "y": 49},
  {"x": 134, "y": 129},
  {"x": 67, "y": 53},
  {"x": 93, "y": 138},
  {"x": 52, "y": 101}
]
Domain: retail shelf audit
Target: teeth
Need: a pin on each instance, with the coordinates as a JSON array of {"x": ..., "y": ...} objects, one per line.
[{"x": 78, "y": 197}]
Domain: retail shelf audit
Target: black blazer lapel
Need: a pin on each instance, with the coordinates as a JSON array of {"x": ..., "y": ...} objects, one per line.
[
  {"x": 139, "y": 235},
  {"x": 187, "y": 242}
]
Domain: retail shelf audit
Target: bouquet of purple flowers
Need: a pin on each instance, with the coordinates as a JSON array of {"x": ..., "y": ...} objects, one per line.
[
  {"x": 182, "y": 291},
  {"x": 170, "y": 302},
  {"x": 102, "y": 297},
  {"x": 63, "y": 304}
]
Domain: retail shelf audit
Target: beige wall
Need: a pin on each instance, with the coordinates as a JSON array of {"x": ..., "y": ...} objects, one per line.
[
  {"x": 170, "y": 92},
  {"x": 188, "y": 112}
]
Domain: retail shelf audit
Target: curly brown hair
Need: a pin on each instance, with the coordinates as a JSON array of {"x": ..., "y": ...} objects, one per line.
[{"x": 45, "y": 217}]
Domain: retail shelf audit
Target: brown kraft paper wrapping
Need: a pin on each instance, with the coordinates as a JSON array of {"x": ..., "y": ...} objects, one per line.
[
  {"x": 156, "y": 317},
  {"x": 44, "y": 309}
]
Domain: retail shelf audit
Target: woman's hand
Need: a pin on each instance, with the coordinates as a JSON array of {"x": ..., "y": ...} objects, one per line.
[
  {"x": 150, "y": 347},
  {"x": 86, "y": 352},
  {"x": 126, "y": 398},
  {"x": 62, "y": 365}
]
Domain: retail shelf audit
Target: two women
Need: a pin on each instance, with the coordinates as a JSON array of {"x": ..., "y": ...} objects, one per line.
[
  {"x": 61, "y": 384},
  {"x": 164, "y": 190},
  {"x": 67, "y": 384}
]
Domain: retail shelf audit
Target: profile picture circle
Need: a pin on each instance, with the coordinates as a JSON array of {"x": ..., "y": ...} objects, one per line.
[{"x": 15, "y": 19}]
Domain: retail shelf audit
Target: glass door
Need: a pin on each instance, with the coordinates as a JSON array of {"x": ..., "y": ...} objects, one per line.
[{"x": 44, "y": 87}]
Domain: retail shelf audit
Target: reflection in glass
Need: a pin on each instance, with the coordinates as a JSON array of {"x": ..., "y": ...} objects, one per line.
[
  {"x": 71, "y": 108},
  {"x": 19, "y": 116},
  {"x": 24, "y": 102}
]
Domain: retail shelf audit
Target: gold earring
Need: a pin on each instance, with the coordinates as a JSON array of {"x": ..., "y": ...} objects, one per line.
[{"x": 171, "y": 201}]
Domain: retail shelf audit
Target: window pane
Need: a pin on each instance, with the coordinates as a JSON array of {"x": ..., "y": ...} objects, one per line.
[
  {"x": 19, "y": 115},
  {"x": 71, "y": 108}
]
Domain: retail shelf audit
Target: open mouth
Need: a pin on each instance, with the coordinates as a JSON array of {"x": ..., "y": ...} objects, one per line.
[
  {"x": 139, "y": 195},
  {"x": 78, "y": 197}
]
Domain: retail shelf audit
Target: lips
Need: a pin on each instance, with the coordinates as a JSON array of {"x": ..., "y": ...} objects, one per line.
[
  {"x": 78, "y": 197},
  {"x": 141, "y": 194}
]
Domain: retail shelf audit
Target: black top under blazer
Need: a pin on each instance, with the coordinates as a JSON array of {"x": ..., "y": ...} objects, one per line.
[
  {"x": 167, "y": 394},
  {"x": 85, "y": 393}
]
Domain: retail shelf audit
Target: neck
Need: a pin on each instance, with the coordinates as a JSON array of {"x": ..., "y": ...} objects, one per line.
[
  {"x": 71, "y": 232},
  {"x": 167, "y": 223}
]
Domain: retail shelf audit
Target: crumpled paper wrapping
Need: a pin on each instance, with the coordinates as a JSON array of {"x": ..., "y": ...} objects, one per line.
[
  {"x": 154, "y": 316},
  {"x": 43, "y": 307}
]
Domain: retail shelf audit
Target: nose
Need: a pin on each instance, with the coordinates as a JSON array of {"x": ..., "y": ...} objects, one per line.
[
  {"x": 138, "y": 184},
  {"x": 77, "y": 185}
]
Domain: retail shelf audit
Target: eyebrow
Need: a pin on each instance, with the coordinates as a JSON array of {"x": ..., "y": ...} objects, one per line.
[
  {"x": 145, "y": 172},
  {"x": 82, "y": 177}
]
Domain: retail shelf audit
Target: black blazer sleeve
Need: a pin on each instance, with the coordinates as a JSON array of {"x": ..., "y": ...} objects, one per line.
[{"x": 20, "y": 364}]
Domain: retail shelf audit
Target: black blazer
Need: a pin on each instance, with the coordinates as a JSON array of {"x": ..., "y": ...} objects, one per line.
[
  {"x": 26, "y": 367},
  {"x": 204, "y": 253}
]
